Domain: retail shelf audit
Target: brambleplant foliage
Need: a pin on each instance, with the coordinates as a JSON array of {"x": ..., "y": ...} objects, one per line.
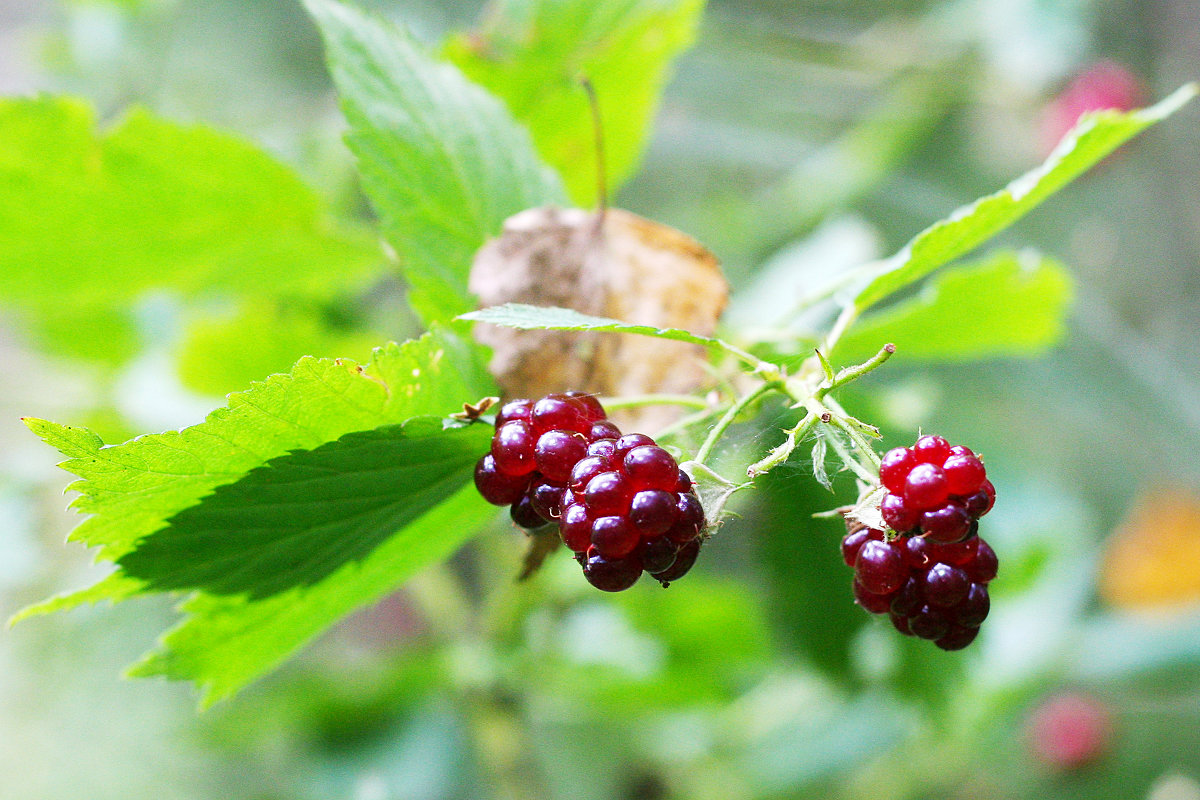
[{"x": 317, "y": 491}]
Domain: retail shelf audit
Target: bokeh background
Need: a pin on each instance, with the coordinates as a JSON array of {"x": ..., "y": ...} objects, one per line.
[{"x": 826, "y": 131}]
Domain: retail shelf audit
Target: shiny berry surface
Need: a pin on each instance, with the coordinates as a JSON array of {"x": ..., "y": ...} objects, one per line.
[
  {"x": 651, "y": 467},
  {"x": 559, "y": 412},
  {"x": 652, "y": 512},
  {"x": 513, "y": 446},
  {"x": 524, "y": 514},
  {"x": 947, "y": 523},
  {"x": 685, "y": 558},
  {"x": 925, "y": 487},
  {"x": 897, "y": 513},
  {"x": 894, "y": 468},
  {"x": 514, "y": 410},
  {"x": 931, "y": 450},
  {"x": 945, "y": 585},
  {"x": 575, "y": 527},
  {"x": 557, "y": 452},
  {"x": 614, "y": 537},
  {"x": 879, "y": 567},
  {"x": 497, "y": 487},
  {"x": 611, "y": 574},
  {"x": 608, "y": 494}
]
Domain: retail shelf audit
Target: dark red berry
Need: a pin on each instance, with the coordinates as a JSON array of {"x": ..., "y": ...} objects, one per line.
[
  {"x": 587, "y": 468},
  {"x": 925, "y": 487},
  {"x": 931, "y": 450},
  {"x": 603, "y": 430},
  {"x": 630, "y": 441},
  {"x": 946, "y": 523},
  {"x": 524, "y": 514},
  {"x": 945, "y": 585},
  {"x": 982, "y": 501},
  {"x": 684, "y": 483},
  {"x": 591, "y": 406},
  {"x": 929, "y": 622},
  {"x": 614, "y": 537},
  {"x": 875, "y": 603},
  {"x": 691, "y": 519},
  {"x": 973, "y": 609},
  {"x": 611, "y": 574},
  {"x": 604, "y": 448},
  {"x": 576, "y": 527},
  {"x": 608, "y": 494},
  {"x": 894, "y": 468},
  {"x": 964, "y": 474},
  {"x": 559, "y": 412},
  {"x": 557, "y": 452},
  {"x": 900, "y": 623},
  {"x": 983, "y": 567},
  {"x": 658, "y": 554},
  {"x": 653, "y": 512},
  {"x": 546, "y": 499},
  {"x": 879, "y": 567},
  {"x": 498, "y": 488},
  {"x": 514, "y": 410},
  {"x": 512, "y": 447},
  {"x": 909, "y": 597},
  {"x": 957, "y": 554},
  {"x": 961, "y": 450},
  {"x": 651, "y": 467},
  {"x": 684, "y": 559},
  {"x": 919, "y": 553},
  {"x": 897, "y": 514},
  {"x": 853, "y": 541},
  {"x": 956, "y": 637}
]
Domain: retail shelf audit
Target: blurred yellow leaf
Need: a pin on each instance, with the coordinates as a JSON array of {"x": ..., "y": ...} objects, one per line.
[{"x": 1153, "y": 559}]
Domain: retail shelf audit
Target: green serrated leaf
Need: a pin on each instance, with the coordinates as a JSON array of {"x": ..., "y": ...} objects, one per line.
[
  {"x": 226, "y": 642},
  {"x": 442, "y": 160},
  {"x": 532, "y": 54},
  {"x": 134, "y": 490},
  {"x": 301, "y": 516},
  {"x": 1009, "y": 304},
  {"x": 526, "y": 317},
  {"x": 90, "y": 220},
  {"x": 1095, "y": 136}
]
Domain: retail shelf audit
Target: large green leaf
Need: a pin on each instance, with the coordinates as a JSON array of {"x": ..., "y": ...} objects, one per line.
[
  {"x": 137, "y": 491},
  {"x": 1096, "y": 135},
  {"x": 89, "y": 221},
  {"x": 225, "y": 642},
  {"x": 299, "y": 517},
  {"x": 532, "y": 54},
  {"x": 1009, "y": 304},
  {"x": 212, "y": 356},
  {"x": 442, "y": 160}
]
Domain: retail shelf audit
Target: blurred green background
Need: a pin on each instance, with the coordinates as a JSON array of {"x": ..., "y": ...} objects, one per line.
[{"x": 824, "y": 132}]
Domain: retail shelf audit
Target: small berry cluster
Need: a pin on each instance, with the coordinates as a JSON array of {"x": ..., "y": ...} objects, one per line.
[
  {"x": 928, "y": 589},
  {"x": 621, "y": 503},
  {"x": 930, "y": 577},
  {"x": 934, "y": 489}
]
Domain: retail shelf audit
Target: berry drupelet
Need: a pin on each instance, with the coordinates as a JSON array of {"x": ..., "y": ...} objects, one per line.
[
  {"x": 621, "y": 503},
  {"x": 928, "y": 589},
  {"x": 935, "y": 490}
]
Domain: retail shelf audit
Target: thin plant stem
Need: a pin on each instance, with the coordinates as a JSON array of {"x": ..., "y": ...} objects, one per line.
[
  {"x": 640, "y": 400},
  {"x": 722, "y": 424}
]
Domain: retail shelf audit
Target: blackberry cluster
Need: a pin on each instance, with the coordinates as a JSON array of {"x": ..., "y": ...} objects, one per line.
[
  {"x": 934, "y": 489},
  {"x": 928, "y": 589},
  {"x": 621, "y": 503},
  {"x": 931, "y": 576}
]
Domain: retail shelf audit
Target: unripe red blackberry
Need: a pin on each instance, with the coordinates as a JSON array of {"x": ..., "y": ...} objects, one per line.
[
  {"x": 934, "y": 489},
  {"x": 930, "y": 590},
  {"x": 621, "y": 503}
]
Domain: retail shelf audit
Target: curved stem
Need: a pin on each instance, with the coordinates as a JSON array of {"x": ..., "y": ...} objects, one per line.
[
  {"x": 639, "y": 400},
  {"x": 723, "y": 424}
]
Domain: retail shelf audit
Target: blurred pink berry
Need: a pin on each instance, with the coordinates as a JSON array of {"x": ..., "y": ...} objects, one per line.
[
  {"x": 1103, "y": 85},
  {"x": 1069, "y": 730}
]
